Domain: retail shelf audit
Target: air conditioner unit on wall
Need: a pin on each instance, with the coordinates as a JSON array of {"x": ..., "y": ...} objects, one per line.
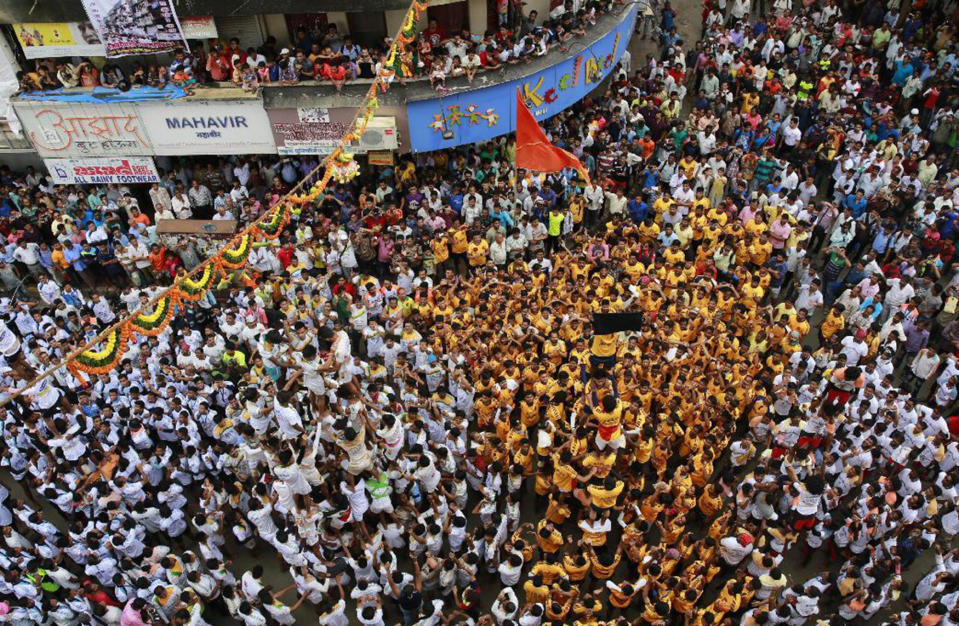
[{"x": 380, "y": 135}]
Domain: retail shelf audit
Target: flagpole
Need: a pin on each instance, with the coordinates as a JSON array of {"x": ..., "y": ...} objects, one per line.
[{"x": 515, "y": 151}]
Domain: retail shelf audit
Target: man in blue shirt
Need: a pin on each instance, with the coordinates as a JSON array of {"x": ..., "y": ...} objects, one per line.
[
  {"x": 71, "y": 252},
  {"x": 548, "y": 196},
  {"x": 855, "y": 202},
  {"x": 456, "y": 199},
  {"x": 638, "y": 209},
  {"x": 650, "y": 176}
]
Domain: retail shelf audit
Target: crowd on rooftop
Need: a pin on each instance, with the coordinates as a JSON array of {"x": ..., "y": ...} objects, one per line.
[{"x": 332, "y": 57}]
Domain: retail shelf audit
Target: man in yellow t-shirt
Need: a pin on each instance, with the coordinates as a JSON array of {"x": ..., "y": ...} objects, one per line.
[
  {"x": 476, "y": 251},
  {"x": 605, "y": 496}
]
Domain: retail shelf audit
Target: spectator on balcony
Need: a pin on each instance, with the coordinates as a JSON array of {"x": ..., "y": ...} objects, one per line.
[
  {"x": 332, "y": 39},
  {"x": 350, "y": 50},
  {"x": 113, "y": 77},
  {"x": 182, "y": 62},
  {"x": 471, "y": 63},
  {"x": 236, "y": 53},
  {"x": 557, "y": 13},
  {"x": 316, "y": 55},
  {"x": 456, "y": 46},
  {"x": 489, "y": 57},
  {"x": 455, "y": 68},
  {"x": 438, "y": 73},
  {"x": 522, "y": 50},
  {"x": 67, "y": 74},
  {"x": 248, "y": 78},
  {"x": 290, "y": 73},
  {"x": 528, "y": 23},
  {"x": 424, "y": 53},
  {"x": 263, "y": 73},
  {"x": 365, "y": 64},
  {"x": 385, "y": 73},
  {"x": 304, "y": 41},
  {"x": 217, "y": 65},
  {"x": 89, "y": 74},
  {"x": 254, "y": 58},
  {"x": 327, "y": 57},
  {"x": 160, "y": 197},
  {"x": 307, "y": 69},
  {"x": 158, "y": 76},
  {"x": 336, "y": 73},
  {"x": 283, "y": 61},
  {"x": 433, "y": 33},
  {"x": 29, "y": 81},
  {"x": 138, "y": 77},
  {"x": 268, "y": 49}
]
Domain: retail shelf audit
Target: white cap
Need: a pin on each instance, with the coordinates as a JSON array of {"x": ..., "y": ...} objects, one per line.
[
  {"x": 914, "y": 112},
  {"x": 285, "y": 51}
]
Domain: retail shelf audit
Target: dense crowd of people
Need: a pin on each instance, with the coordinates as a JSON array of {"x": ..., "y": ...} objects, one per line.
[
  {"x": 413, "y": 400},
  {"x": 334, "y": 58}
]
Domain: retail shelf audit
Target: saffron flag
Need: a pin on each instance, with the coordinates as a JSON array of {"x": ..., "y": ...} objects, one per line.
[{"x": 533, "y": 149}]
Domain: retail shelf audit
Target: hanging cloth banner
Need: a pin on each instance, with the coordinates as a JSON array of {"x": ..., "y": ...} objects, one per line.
[{"x": 135, "y": 26}]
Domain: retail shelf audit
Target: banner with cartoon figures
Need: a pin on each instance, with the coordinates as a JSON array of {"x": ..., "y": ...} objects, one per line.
[
  {"x": 474, "y": 115},
  {"x": 135, "y": 26},
  {"x": 42, "y": 40}
]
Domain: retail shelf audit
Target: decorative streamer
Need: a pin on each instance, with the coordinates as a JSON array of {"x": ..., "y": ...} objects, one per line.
[
  {"x": 152, "y": 324},
  {"x": 104, "y": 360},
  {"x": 103, "y": 352}
]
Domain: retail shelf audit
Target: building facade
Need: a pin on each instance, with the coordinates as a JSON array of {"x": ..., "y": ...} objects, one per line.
[{"x": 70, "y": 125}]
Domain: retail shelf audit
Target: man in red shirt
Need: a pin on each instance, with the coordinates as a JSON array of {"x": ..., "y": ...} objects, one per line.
[
  {"x": 236, "y": 51},
  {"x": 285, "y": 255},
  {"x": 336, "y": 74},
  {"x": 434, "y": 34}
]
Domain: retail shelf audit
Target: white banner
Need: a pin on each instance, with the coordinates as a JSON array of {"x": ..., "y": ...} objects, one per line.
[
  {"x": 135, "y": 26},
  {"x": 200, "y": 27},
  {"x": 83, "y": 130},
  {"x": 214, "y": 127},
  {"x": 127, "y": 170}
]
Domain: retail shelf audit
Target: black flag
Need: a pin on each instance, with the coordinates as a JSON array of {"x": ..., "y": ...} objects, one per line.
[{"x": 607, "y": 323}]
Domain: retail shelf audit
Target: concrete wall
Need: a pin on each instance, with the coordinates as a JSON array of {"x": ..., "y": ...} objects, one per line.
[
  {"x": 540, "y": 6},
  {"x": 275, "y": 24},
  {"x": 477, "y": 13},
  {"x": 338, "y": 18}
]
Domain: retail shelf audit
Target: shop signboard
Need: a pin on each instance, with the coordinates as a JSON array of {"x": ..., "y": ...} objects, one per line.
[
  {"x": 207, "y": 127},
  {"x": 83, "y": 129},
  {"x": 98, "y": 171}
]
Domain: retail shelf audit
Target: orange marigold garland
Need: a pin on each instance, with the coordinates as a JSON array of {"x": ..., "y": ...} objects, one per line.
[
  {"x": 152, "y": 324},
  {"x": 235, "y": 256},
  {"x": 104, "y": 360},
  {"x": 192, "y": 290}
]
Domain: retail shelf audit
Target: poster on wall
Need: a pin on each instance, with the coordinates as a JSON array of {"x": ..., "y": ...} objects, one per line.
[
  {"x": 202, "y": 27},
  {"x": 83, "y": 129},
  {"x": 135, "y": 26},
  {"x": 476, "y": 115},
  {"x": 41, "y": 40},
  {"x": 309, "y": 130},
  {"x": 97, "y": 171},
  {"x": 212, "y": 127}
]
